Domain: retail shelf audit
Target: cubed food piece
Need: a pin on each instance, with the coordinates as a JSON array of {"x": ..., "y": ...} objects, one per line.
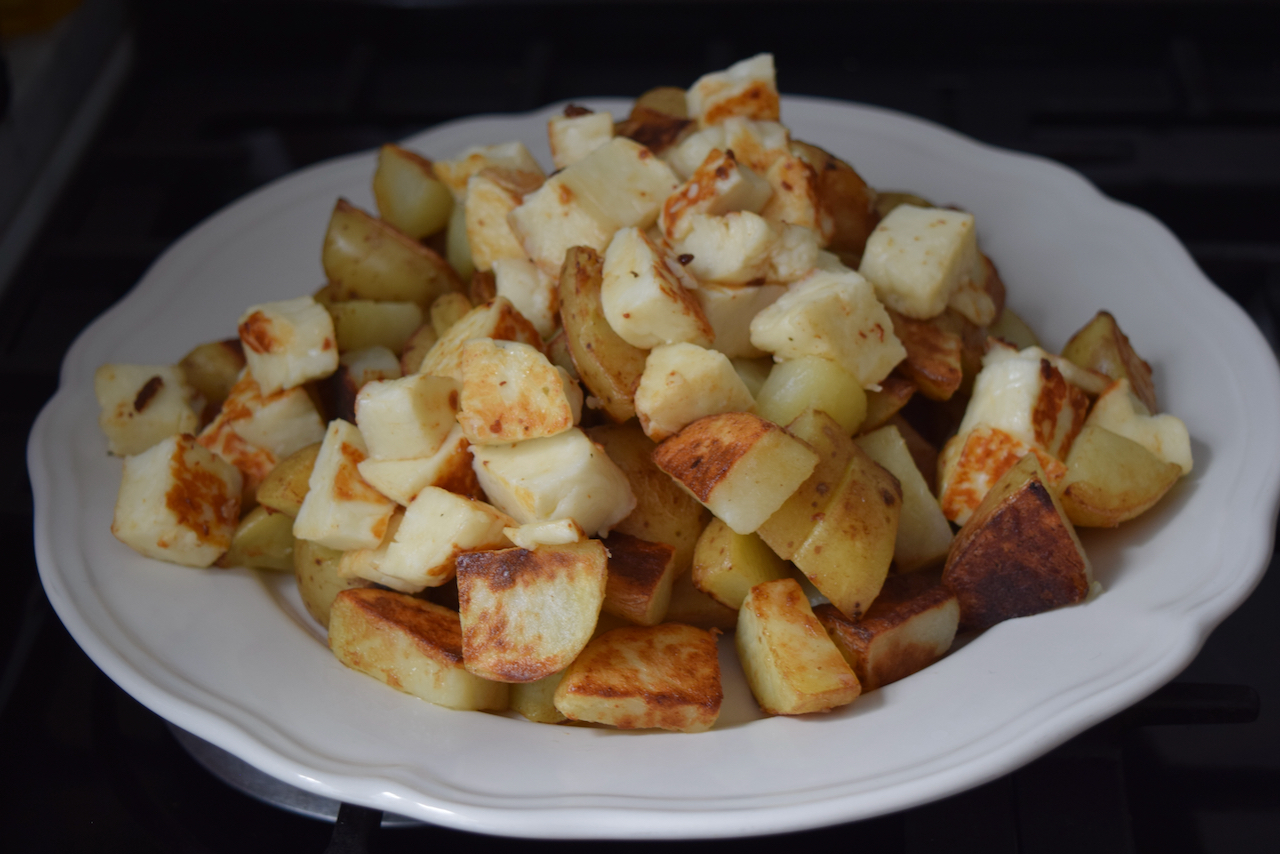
[
  {"x": 917, "y": 257},
  {"x": 971, "y": 463},
  {"x": 573, "y": 137},
  {"x": 727, "y": 565},
  {"x": 448, "y": 468},
  {"x": 410, "y": 644},
  {"x": 142, "y": 404},
  {"x": 1102, "y": 346},
  {"x": 980, "y": 297},
  {"x": 528, "y": 613},
  {"x": 732, "y": 249},
  {"x": 289, "y": 342},
  {"x": 834, "y": 315},
  {"x": 263, "y": 540},
  {"x": 645, "y": 677},
  {"x": 1018, "y": 554},
  {"x": 364, "y": 323},
  {"x": 492, "y": 194},
  {"x": 212, "y": 369},
  {"x": 791, "y": 664},
  {"x": 416, "y": 348},
  {"x": 512, "y": 393},
  {"x": 740, "y": 466},
  {"x": 448, "y": 309},
  {"x": 648, "y": 296},
  {"x": 341, "y": 510},
  {"x": 338, "y": 391},
  {"x": 691, "y": 606},
  {"x": 456, "y": 171},
  {"x": 533, "y": 293},
  {"x": 366, "y": 258},
  {"x": 684, "y": 382},
  {"x": 536, "y": 700},
  {"x": 640, "y": 577},
  {"x": 557, "y": 477},
  {"x": 755, "y": 144},
  {"x": 796, "y": 198},
  {"x": 924, "y": 534},
  {"x": 812, "y": 382},
  {"x": 719, "y": 186},
  {"x": 845, "y": 197},
  {"x": 422, "y": 543},
  {"x": 285, "y": 488},
  {"x": 911, "y": 625},
  {"x": 178, "y": 503},
  {"x": 935, "y": 354},
  {"x": 497, "y": 319},
  {"x": 730, "y": 308},
  {"x": 408, "y": 194},
  {"x": 1111, "y": 479},
  {"x": 407, "y": 418},
  {"x": 316, "y": 569},
  {"x": 746, "y": 89},
  {"x": 1122, "y": 412},
  {"x": 555, "y": 532}
]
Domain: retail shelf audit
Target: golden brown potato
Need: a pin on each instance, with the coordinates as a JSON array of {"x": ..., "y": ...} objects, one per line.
[
  {"x": 1018, "y": 554},
  {"x": 933, "y": 360},
  {"x": 924, "y": 534},
  {"x": 212, "y": 369},
  {"x": 895, "y": 392},
  {"x": 690, "y": 605},
  {"x": 640, "y": 577},
  {"x": 286, "y": 486},
  {"x": 887, "y": 200},
  {"x": 359, "y": 324},
  {"x": 1111, "y": 479},
  {"x": 263, "y": 540},
  {"x": 642, "y": 677},
  {"x": 727, "y": 565},
  {"x": 846, "y": 197},
  {"x": 1101, "y": 346},
  {"x": 316, "y": 569},
  {"x": 408, "y": 194}
]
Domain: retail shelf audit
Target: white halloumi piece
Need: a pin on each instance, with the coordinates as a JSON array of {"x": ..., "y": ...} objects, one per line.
[
  {"x": 421, "y": 549},
  {"x": 556, "y": 532},
  {"x": 1122, "y": 412},
  {"x": 971, "y": 463},
  {"x": 457, "y": 171},
  {"x": 683, "y": 382},
  {"x": 288, "y": 342},
  {"x": 533, "y": 293},
  {"x": 747, "y": 89},
  {"x": 407, "y": 418},
  {"x": 141, "y": 404},
  {"x": 488, "y": 202},
  {"x": 720, "y": 185},
  {"x": 917, "y": 258},
  {"x": 448, "y": 468},
  {"x": 178, "y": 503},
  {"x": 574, "y": 137},
  {"x": 341, "y": 510},
  {"x": 555, "y": 218},
  {"x": 794, "y": 253},
  {"x": 558, "y": 477},
  {"x": 497, "y": 318},
  {"x": 732, "y": 249},
  {"x": 511, "y": 392},
  {"x": 647, "y": 295},
  {"x": 730, "y": 309},
  {"x": 834, "y": 315},
  {"x": 369, "y": 364},
  {"x": 755, "y": 145},
  {"x": 795, "y": 198}
]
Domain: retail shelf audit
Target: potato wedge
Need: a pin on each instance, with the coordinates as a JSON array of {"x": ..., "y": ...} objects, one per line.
[{"x": 1111, "y": 479}]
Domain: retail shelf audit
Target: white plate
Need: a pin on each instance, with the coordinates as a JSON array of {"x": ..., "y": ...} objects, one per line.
[{"x": 232, "y": 657}]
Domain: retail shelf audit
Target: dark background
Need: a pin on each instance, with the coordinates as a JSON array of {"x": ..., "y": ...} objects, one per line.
[{"x": 1172, "y": 107}]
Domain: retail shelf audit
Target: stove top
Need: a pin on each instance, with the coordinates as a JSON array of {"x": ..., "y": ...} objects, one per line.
[{"x": 1174, "y": 108}]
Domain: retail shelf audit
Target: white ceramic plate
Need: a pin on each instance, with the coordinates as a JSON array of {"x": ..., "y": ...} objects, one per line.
[{"x": 233, "y": 658}]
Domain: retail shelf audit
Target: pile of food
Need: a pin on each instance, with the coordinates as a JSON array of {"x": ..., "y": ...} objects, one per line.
[{"x": 541, "y": 439}]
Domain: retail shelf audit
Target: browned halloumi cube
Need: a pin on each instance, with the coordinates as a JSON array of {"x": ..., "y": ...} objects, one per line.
[
  {"x": 972, "y": 462},
  {"x": 528, "y": 613},
  {"x": 640, "y": 577},
  {"x": 646, "y": 677},
  {"x": 341, "y": 510},
  {"x": 497, "y": 319},
  {"x": 492, "y": 193},
  {"x": 410, "y": 644},
  {"x": 746, "y": 89},
  {"x": 511, "y": 392},
  {"x": 142, "y": 404},
  {"x": 791, "y": 664},
  {"x": 911, "y": 625}
]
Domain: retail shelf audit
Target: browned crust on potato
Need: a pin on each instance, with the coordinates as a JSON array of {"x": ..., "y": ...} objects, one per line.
[
  {"x": 934, "y": 355},
  {"x": 636, "y": 569},
  {"x": 434, "y": 630},
  {"x": 701, "y": 454}
]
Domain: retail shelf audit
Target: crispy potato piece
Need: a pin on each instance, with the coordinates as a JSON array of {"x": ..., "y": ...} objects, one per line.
[
  {"x": 360, "y": 323},
  {"x": 536, "y": 700},
  {"x": 791, "y": 664},
  {"x": 284, "y": 489},
  {"x": 812, "y": 381},
  {"x": 1018, "y": 554},
  {"x": 1111, "y": 479},
  {"x": 933, "y": 360},
  {"x": 1101, "y": 346},
  {"x": 263, "y": 540},
  {"x": 528, "y": 613},
  {"x": 691, "y": 606},
  {"x": 924, "y": 534},
  {"x": 895, "y": 392},
  {"x": 727, "y": 565},
  {"x": 212, "y": 369},
  {"x": 408, "y": 194},
  {"x": 609, "y": 367},
  {"x": 412, "y": 645},
  {"x": 845, "y": 197},
  {"x": 641, "y": 677},
  {"x": 640, "y": 577}
]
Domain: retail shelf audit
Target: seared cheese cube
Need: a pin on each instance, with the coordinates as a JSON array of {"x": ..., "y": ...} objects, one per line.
[
  {"x": 719, "y": 186},
  {"x": 791, "y": 664},
  {"x": 755, "y": 145},
  {"x": 1119, "y": 410},
  {"x": 288, "y": 342},
  {"x": 730, "y": 309},
  {"x": 412, "y": 645},
  {"x": 917, "y": 258},
  {"x": 645, "y": 677},
  {"x": 554, "y": 219},
  {"x": 142, "y": 404},
  {"x": 835, "y": 316},
  {"x": 647, "y": 296},
  {"x": 561, "y": 476},
  {"x": 341, "y": 510},
  {"x": 732, "y": 249},
  {"x": 448, "y": 468},
  {"x": 796, "y": 198},
  {"x": 497, "y": 319},
  {"x": 794, "y": 253},
  {"x": 178, "y": 503},
  {"x": 407, "y": 418},
  {"x": 368, "y": 364},
  {"x": 457, "y": 171},
  {"x": 741, "y": 467},
  {"x": 492, "y": 194},
  {"x": 972, "y": 462},
  {"x": 420, "y": 550},
  {"x": 533, "y": 293},
  {"x": 747, "y": 89},
  {"x": 511, "y": 392},
  {"x": 574, "y": 137},
  {"x": 527, "y": 613},
  {"x": 683, "y": 382},
  {"x": 556, "y": 532}
]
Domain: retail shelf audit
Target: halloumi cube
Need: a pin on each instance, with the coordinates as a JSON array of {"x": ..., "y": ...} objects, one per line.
[
  {"x": 457, "y": 171},
  {"x": 288, "y": 342},
  {"x": 533, "y": 293},
  {"x": 730, "y": 309},
  {"x": 341, "y": 510},
  {"x": 796, "y": 197},
  {"x": 511, "y": 392},
  {"x": 497, "y": 319},
  {"x": 528, "y": 613},
  {"x": 555, "y": 532},
  {"x": 719, "y": 186},
  {"x": 732, "y": 249},
  {"x": 917, "y": 258},
  {"x": 683, "y": 382},
  {"x": 178, "y": 503},
  {"x": 746, "y": 89},
  {"x": 648, "y": 296},
  {"x": 561, "y": 476},
  {"x": 1119, "y": 410},
  {"x": 448, "y": 468},
  {"x": 142, "y": 404},
  {"x": 573, "y": 137},
  {"x": 794, "y": 253},
  {"x": 492, "y": 194},
  {"x": 834, "y": 315},
  {"x": 972, "y": 462},
  {"x": 755, "y": 145},
  {"x": 407, "y": 418}
]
